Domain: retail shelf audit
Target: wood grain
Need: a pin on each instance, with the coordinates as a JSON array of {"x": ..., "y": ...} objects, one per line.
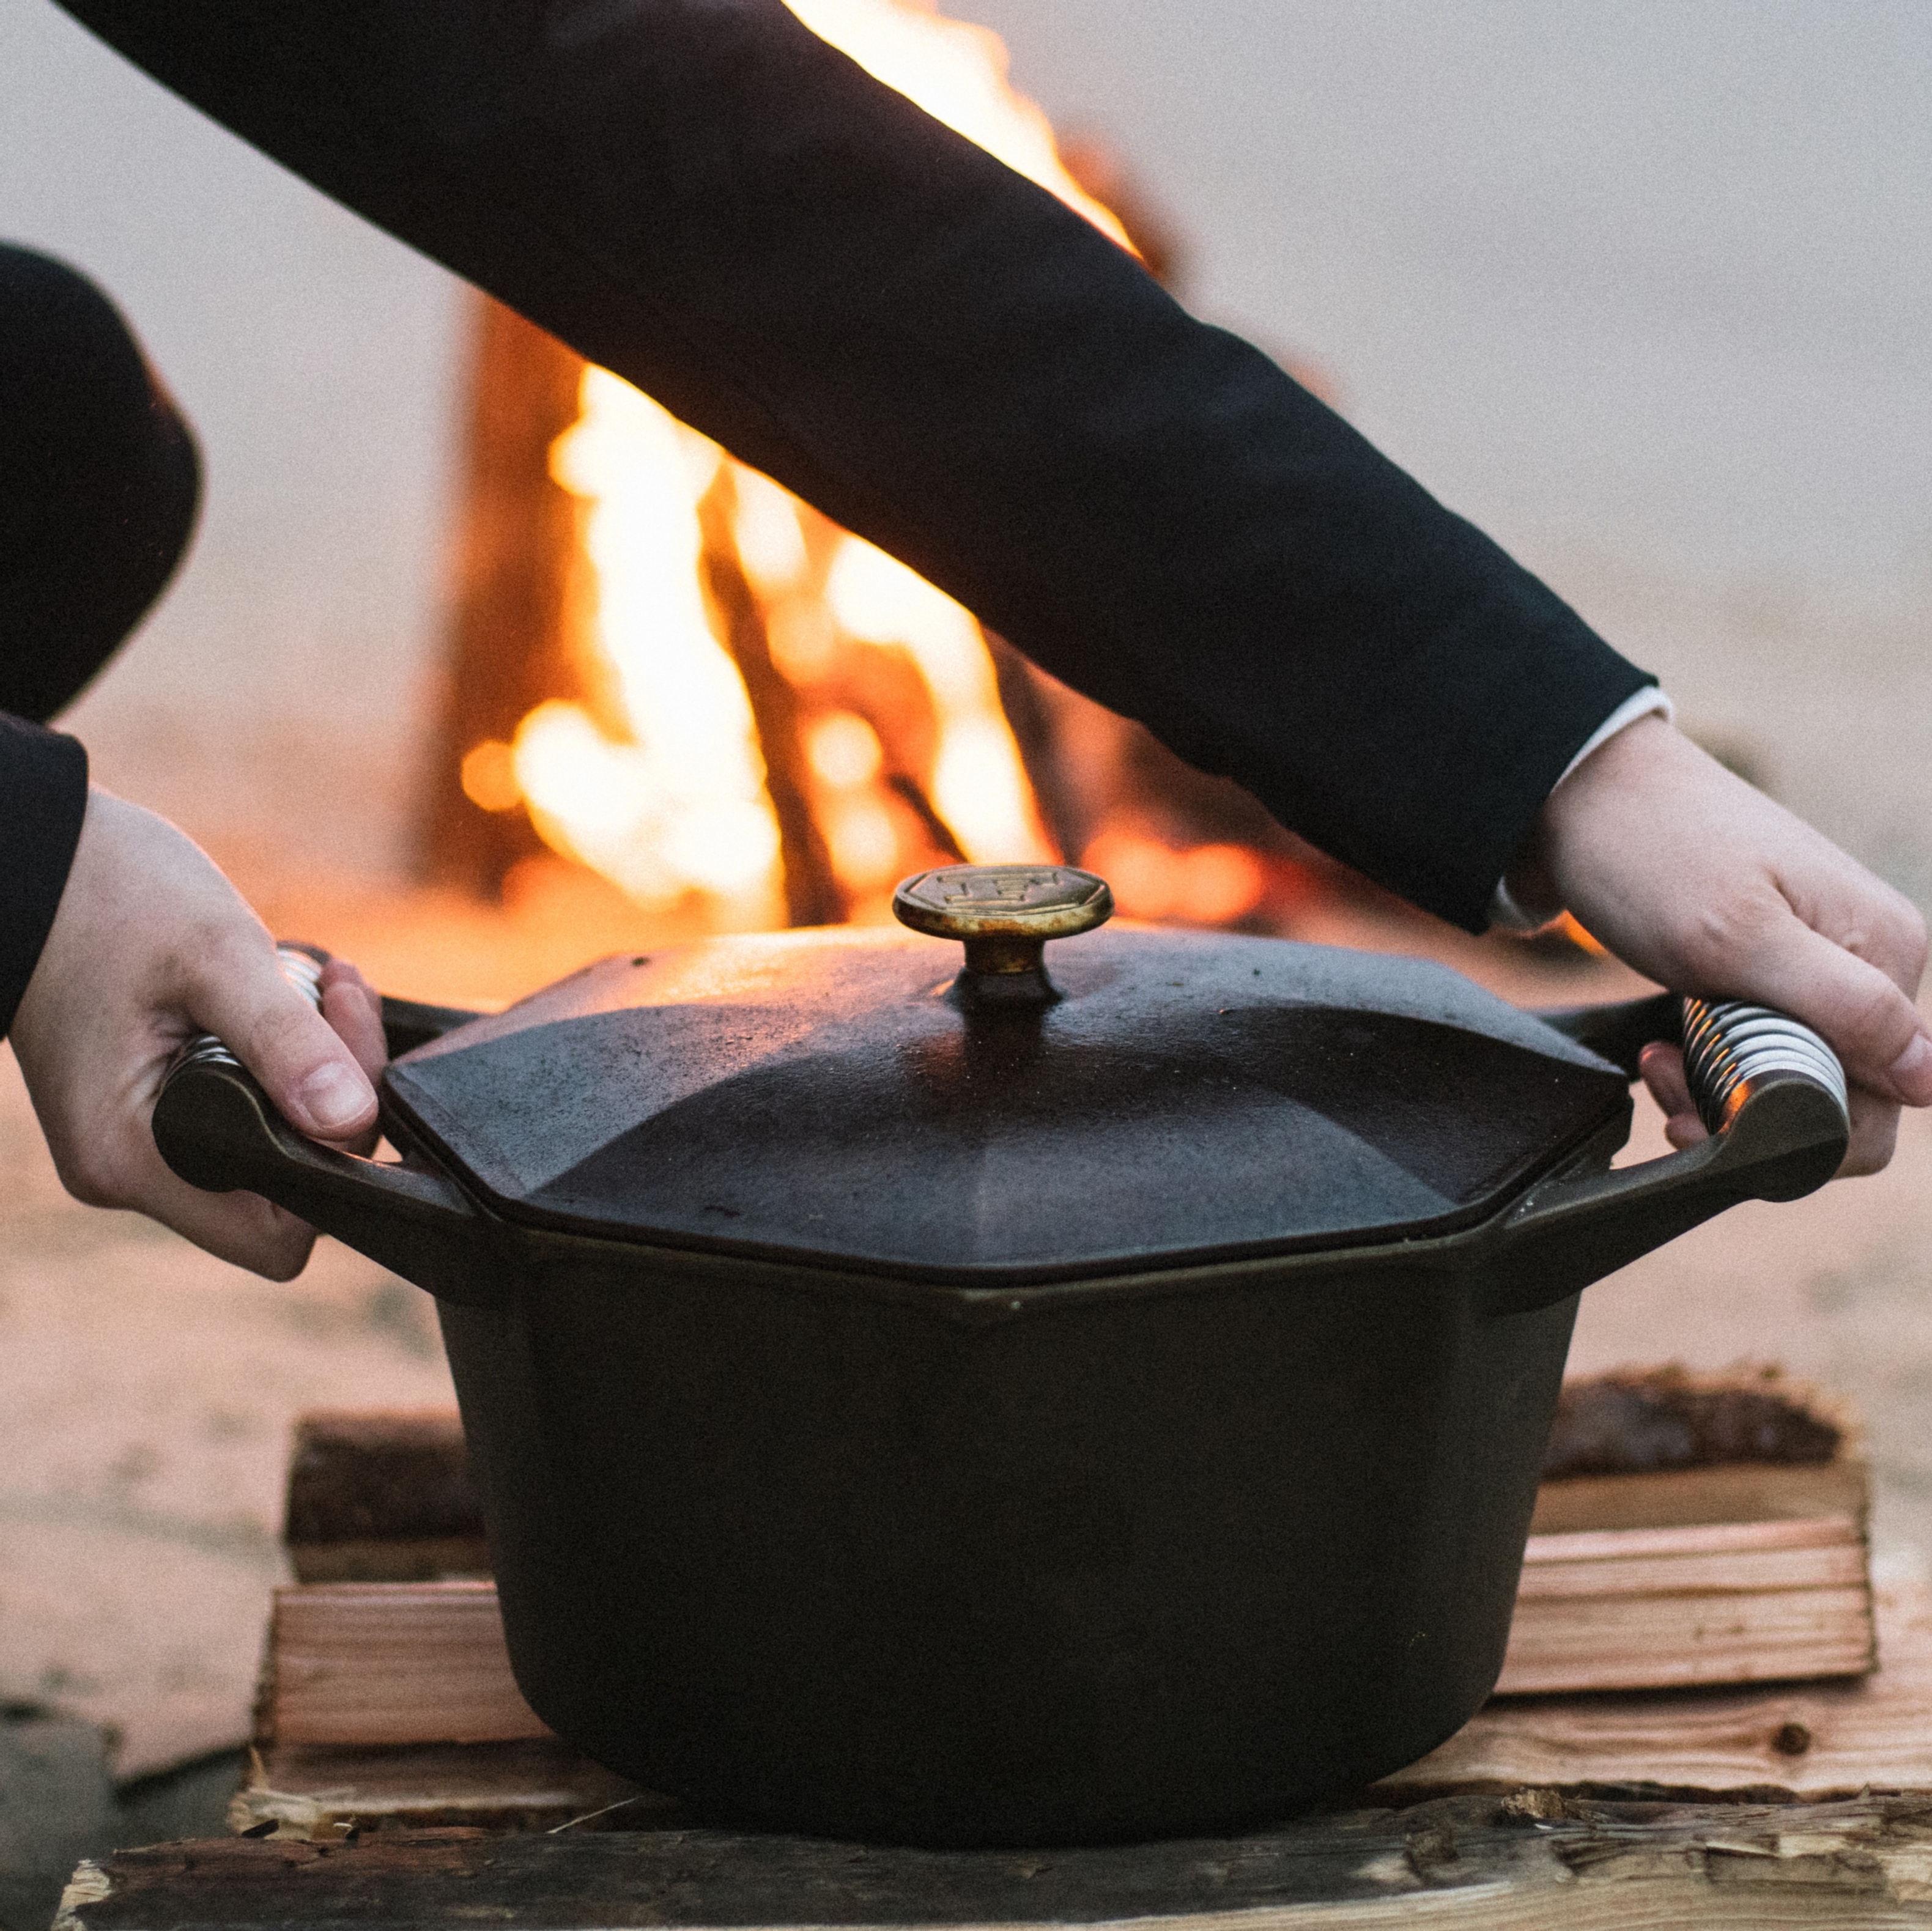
[
  {"x": 320, "y": 1791},
  {"x": 1813, "y": 1742},
  {"x": 418, "y": 1663},
  {"x": 1654, "y": 1609},
  {"x": 1531, "y": 1864},
  {"x": 389, "y": 1663},
  {"x": 1744, "y": 1492}
]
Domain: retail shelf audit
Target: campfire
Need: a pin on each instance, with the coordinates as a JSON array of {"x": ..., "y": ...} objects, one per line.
[{"x": 670, "y": 671}]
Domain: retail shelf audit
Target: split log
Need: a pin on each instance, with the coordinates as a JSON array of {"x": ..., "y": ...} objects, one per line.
[
  {"x": 1813, "y": 1742},
  {"x": 812, "y": 893},
  {"x": 320, "y": 1792},
  {"x": 1639, "y": 1421},
  {"x": 392, "y": 1663},
  {"x": 389, "y": 1663},
  {"x": 1811, "y": 1745},
  {"x": 1688, "y": 1607},
  {"x": 355, "y": 1514},
  {"x": 1531, "y": 1862},
  {"x": 383, "y": 1497},
  {"x": 1677, "y": 1498}
]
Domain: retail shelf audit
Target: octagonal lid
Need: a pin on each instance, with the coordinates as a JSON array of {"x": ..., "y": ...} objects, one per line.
[{"x": 839, "y": 1098}]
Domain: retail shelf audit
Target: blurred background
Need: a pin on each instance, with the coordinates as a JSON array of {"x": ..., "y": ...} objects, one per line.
[{"x": 1644, "y": 290}]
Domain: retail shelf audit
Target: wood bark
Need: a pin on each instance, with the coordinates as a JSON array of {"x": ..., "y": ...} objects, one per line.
[
  {"x": 516, "y": 544},
  {"x": 1532, "y": 1862}
]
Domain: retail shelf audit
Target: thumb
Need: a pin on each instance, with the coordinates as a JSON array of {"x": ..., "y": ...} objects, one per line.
[
  {"x": 1864, "y": 1016},
  {"x": 307, "y": 1069}
]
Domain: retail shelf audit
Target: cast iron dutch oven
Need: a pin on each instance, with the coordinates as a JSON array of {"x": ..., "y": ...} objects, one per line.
[{"x": 988, "y": 1410}]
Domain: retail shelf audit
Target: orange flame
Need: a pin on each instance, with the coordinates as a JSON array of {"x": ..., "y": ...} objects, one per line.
[
  {"x": 677, "y": 803},
  {"x": 957, "y": 72},
  {"x": 665, "y": 792}
]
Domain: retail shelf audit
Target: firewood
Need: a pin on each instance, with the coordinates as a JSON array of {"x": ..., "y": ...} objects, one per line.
[
  {"x": 1677, "y": 1498},
  {"x": 1639, "y": 1421},
  {"x": 1531, "y": 1862},
  {"x": 319, "y": 1790},
  {"x": 1811, "y": 1742},
  {"x": 1673, "y": 1607},
  {"x": 509, "y": 646},
  {"x": 390, "y": 1663},
  {"x": 397, "y": 1663},
  {"x": 387, "y": 1497},
  {"x": 1750, "y": 1573},
  {"x": 383, "y": 1497}
]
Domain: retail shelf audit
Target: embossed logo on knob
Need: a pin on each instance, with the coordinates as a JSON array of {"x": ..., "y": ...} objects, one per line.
[{"x": 1033, "y": 901}]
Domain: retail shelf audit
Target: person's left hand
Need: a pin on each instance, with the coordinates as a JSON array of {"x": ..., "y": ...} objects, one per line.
[
  {"x": 1705, "y": 885},
  {"x": 151, "y": 947}
]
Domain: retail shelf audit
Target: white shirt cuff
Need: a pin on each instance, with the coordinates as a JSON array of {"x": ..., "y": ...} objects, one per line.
[{"x": 1650, "y": 702}]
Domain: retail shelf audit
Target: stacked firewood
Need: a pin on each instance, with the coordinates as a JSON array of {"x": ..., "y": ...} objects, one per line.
[{"x": 1690, "y": 1533}]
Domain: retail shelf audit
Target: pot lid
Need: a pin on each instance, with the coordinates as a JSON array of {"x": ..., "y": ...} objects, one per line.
[{"x": 840, "y": 1097}]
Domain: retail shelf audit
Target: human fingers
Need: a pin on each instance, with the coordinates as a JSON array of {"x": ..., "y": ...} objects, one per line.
[
  {"x": 354, "y": 1009},
  {"x": 1858, "y": 1006},
  {"x": 145, "y": 917},
  {"x": 1708, "y": 887},
  {"x": 310, "y": 1067},
  {"x": 1662, "y": 1066}
]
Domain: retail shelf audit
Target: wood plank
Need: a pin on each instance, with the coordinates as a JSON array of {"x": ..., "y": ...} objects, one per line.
[
  {"x": 397, "y": 1663},
  {"x": 320, "y": 1792},
  {"x": 1534, "y": 1863},
  {"x": 1645, "y": 1643},
  {"x": 1809, "y": 1745},
  {"x": 391, "y": 1663},
  {"x": 1676, "y": 1608},
  {"x": 1813, "y": 1742},
  {"x": 1741, "y": 1492}
]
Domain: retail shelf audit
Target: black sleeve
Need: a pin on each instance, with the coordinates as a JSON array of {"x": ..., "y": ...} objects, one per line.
[
  {"x": 43, "y": 796},
  {"x": 99, "y": 481},
  {"x": 98, "y": 484},
  {"x": 704, "y": 196}
]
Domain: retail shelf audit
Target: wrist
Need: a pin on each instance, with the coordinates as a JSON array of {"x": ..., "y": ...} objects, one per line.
[{"x": 1528, "y": 894}]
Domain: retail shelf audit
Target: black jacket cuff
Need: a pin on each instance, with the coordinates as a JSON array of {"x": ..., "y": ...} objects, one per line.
[{"x": 43, "y": 799}]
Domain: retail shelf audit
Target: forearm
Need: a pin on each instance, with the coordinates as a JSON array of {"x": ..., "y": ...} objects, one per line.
[{"x": 708, "y": 199}]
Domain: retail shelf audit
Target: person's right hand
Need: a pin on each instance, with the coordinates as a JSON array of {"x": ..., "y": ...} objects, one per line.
[
  {"x": 1702, "y": 883},
  {"x": 151, "y": 947}
]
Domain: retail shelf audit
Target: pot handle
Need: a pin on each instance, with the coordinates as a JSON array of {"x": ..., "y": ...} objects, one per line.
[
  {"x": 217, "y": 1128},
  {"x": 1770, "y": 1090}
]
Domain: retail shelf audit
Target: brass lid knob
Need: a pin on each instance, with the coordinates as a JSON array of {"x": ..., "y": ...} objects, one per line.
[{"x": 1003, "y": 914}]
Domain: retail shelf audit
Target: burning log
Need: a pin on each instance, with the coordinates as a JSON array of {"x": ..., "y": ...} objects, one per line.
[
  {"x": 668, "y": 669},
  {"x": 509, "y": 643},
  {"x": 812, "y": 888}
]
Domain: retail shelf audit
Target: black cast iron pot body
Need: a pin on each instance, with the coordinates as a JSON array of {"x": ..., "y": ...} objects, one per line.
[{"x": 941, "y": 1411}]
